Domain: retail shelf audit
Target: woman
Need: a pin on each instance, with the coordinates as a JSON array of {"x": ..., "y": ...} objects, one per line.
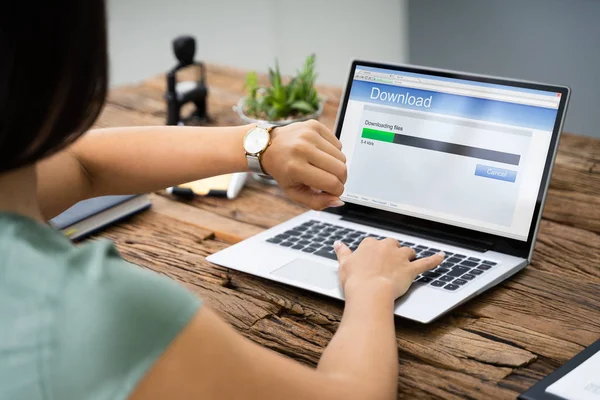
[{"x": 81, "y": 323}]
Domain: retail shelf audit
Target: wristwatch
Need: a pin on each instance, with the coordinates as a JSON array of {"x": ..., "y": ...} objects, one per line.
[{"x": 256, "y": 141}]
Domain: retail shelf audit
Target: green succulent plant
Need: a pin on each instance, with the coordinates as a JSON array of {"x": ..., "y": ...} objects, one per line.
[{"x": 280, "y": 100}]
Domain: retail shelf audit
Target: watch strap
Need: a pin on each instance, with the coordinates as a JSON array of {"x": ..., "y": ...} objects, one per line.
[{"x": 254, "y": 164}]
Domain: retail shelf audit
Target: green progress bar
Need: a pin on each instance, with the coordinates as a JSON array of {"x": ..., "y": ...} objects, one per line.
[{"x": 375, "y": 134}]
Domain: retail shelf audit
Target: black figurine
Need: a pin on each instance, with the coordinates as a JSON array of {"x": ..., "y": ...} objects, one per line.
[{"x": 180, "y": 93}]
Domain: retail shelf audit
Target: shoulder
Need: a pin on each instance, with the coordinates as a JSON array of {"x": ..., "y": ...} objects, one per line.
[
  {"x": 114, "y": 321},
  {"x": 101, "y": 322}
]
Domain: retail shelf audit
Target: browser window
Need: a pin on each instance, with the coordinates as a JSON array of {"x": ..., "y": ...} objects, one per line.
[{"x": 465, "y": 153}]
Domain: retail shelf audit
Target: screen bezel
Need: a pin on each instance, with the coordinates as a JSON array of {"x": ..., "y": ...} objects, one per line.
[{"x": 498, "y": 243}]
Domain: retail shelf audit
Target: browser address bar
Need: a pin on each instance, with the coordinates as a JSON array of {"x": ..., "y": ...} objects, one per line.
[
  {"x": 459, "y": 91},
  {"x": 478, "y": 93}
]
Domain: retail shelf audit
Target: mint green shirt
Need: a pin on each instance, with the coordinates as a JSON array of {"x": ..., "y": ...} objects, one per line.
[{"x": 78, "y": 322}]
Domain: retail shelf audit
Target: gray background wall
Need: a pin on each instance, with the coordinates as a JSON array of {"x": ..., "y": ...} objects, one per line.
[
  {"x": 556, "y": 41},
  {"x": 250, "y": 34}
]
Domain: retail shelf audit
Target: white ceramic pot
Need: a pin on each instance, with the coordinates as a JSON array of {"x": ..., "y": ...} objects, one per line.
[{"x": 239, "y": 109}]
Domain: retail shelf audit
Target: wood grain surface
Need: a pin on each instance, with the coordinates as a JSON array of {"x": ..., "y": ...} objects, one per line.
[{"x": 495, "y": 346}]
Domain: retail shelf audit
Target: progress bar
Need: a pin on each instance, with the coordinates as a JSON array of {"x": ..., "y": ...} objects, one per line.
[{"x": 443, "y": 147}]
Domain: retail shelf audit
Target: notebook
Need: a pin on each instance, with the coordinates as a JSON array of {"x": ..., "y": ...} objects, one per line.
[
  {"x": 583, "y": 383},
  {"x": 578, "y": 379},
  {"x": 88, "y": 216}
]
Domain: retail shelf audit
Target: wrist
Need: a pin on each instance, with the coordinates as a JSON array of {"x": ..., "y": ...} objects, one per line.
[{"x": 375, "y": 288}]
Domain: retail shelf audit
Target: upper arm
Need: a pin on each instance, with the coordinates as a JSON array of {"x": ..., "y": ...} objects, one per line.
[
  {"x": 62, "y": 182},
  {"x": 209, "y": 359}
]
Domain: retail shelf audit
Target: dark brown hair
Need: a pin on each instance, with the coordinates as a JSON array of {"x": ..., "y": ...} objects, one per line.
[{"x": 53, "y": 76}]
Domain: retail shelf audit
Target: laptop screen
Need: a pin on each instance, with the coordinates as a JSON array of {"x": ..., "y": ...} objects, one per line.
[{"x": 460, "y": 152}]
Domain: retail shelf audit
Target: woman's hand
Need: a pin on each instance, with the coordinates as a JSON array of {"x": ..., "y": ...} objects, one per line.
[
  {"x": 381, "y": 263},
  {"x": 305, "y": 158}
]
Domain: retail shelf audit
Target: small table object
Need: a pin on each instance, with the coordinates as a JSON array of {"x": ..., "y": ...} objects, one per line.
[{"x": 180, "y": 93}]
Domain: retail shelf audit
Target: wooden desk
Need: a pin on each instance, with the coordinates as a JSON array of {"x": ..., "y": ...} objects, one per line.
[{"x": 493, "y": 347}]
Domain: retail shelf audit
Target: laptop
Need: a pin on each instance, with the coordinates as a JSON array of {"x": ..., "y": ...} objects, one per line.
[{"x": 438, "y": 160}]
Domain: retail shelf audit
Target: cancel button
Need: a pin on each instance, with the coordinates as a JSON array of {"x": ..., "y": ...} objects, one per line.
[{"x": 496, "y": 173}]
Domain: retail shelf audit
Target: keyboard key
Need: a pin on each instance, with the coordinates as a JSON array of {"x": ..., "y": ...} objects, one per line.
[
  {"x": 442, "y": 270},
  {"x": 460, "y": 256},
  {"x": 489, "y": 262},
  {"x": 304, "y": 242},
  {"x": 420, "y": 248},
  {"x": 446, "y": 278},
  {"x": 425, "y": 280},
  {"x": 354, "y": 247},
  {"x": 431, "y": 274},
  {"x": 298, "y": 247},
  {"x": 306, "y": 237},
  {"x": 326, "y": 253},
  {"x": 458, "y": 271},
  {"x": 293, "y": 232},
  {"x": 451, "y": 287},
  {"x": 453, "y": 259},
  {"x": 309, "y": 249},
  {"x": 447, "y": 265},
  {"x": 484, "y": 267},
  {"x": 448, "y": 253},
  {"x": 301, "y": 228},
  {"x": 286, "y": 244},
  {"x": 354, "y": 235},
  {"x": 282, "y": 236},
  {"x": 437, "y": 283},
  {"x": 408, "y": 244},
  {"x": 473, "y": 259},
  {"x": 468, "y": 277},
  {"x": 434, "y": 250},
  {"x": 274, "y": 240},
  {"x": 427, "y": 253},
  {"x": 468, "y": 263},
  {"x": 459, "y": 282},
  {"x": 476, "y": 271}
]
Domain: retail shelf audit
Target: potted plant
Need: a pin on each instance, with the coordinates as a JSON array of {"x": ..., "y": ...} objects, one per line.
[{"x": 282, "y": 103}]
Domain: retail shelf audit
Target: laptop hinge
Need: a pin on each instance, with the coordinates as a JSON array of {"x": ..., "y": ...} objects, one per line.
[{"x": 429, "y": 234}]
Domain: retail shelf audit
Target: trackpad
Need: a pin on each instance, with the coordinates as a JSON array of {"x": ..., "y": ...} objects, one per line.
[{"x": 309, "y": 272}]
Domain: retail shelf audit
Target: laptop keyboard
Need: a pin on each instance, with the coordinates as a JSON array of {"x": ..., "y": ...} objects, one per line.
[{"x": 315, "y": 237}]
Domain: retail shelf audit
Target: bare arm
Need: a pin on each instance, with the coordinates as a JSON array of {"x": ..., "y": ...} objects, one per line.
[
  {"x": 210, "y": 360},
  {"x": 144, "y": 159}
]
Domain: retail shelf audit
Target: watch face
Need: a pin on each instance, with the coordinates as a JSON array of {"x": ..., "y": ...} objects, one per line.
[{"x": 256, "y": 140}]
